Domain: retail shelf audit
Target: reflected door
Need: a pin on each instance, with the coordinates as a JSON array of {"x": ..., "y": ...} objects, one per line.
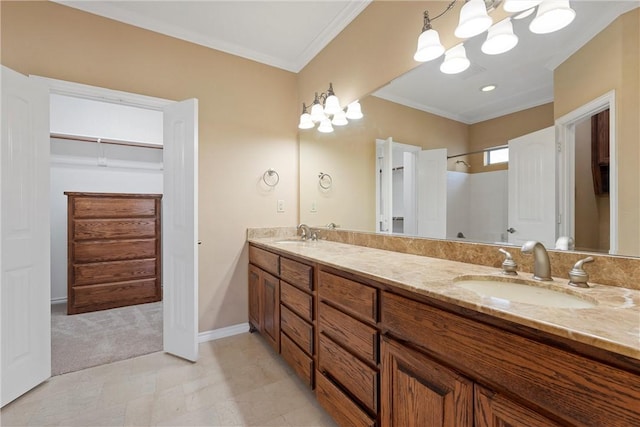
[{"x": 532, "y": 188}]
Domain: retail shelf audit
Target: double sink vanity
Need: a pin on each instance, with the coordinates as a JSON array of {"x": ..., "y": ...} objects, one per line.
[{"x": 392, "y": 339}]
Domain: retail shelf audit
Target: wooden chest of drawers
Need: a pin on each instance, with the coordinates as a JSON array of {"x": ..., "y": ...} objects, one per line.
[{"x": 114, "y": 250}]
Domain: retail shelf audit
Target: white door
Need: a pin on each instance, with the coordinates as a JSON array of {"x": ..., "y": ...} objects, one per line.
[
  {"x": 432, "y": 193},
  {"x": 409, "y": 186},
  {"x": 532, "y": 188},
  {"x": 180, "y": 229},
  {"x": 25, "y": 287},
  {"x": 385, "y": 190}
]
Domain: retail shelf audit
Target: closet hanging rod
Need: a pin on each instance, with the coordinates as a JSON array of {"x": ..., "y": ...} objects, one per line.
[
  {"x": 478, "y": 151},
  {"x": 106, "y": 141}
]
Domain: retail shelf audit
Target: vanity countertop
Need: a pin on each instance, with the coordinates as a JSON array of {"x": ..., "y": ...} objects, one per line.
[{"x": 613, "y": 324}]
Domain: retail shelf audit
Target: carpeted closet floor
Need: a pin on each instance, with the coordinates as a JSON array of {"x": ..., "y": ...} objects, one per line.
[{"x": 84, "y": 340}]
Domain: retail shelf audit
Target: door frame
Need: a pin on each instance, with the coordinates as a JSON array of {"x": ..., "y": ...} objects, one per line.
[
  {"x": 565, "y": 128},
  {"x": 78, "y": 90}
]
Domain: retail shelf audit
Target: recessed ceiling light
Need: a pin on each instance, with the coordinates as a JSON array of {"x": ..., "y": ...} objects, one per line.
[
  {"x": 488, "y": 88},
  {"x": 525, "y": 13}
]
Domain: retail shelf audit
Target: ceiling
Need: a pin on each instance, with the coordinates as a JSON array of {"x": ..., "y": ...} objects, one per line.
[
  {"x": 288, "y": 34},
  {"x": 283, "y": 34},
  {"x": 524, "y": 75}
]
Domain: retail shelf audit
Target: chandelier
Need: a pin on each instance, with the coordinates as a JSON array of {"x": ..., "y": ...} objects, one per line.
[
  {"x": 551, "y": 15},
  {"x": 326, "y": 111}
]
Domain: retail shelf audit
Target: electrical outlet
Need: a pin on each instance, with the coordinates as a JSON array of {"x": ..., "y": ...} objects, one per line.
[
  {"x": 280, "y": 205},
  {"x": 314, "y": 206}
]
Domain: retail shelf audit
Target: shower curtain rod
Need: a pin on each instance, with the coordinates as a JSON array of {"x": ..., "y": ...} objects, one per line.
[
  {"x": 106, "y": 141},
  {"x": 479, "y": 151}
]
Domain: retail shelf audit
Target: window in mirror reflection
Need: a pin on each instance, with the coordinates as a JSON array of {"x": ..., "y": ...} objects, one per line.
[{"x": 495, "y": 156}]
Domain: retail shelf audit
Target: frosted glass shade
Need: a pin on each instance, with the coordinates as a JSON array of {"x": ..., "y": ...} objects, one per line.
[
  {"x": 429, "y": 46},
  {"x": 500, "y": 38},
  {"x": 339, "y": 119},
  {"x": 520, "y": 5},
  {"x": 553, "y": 15},
  {"x": 474, "y": 19},
  {"x": 305, "y": 121},
  {"x": 325, "y": 126},
  {"x": 354, "y": 111},
  {"x": 317, "y": 113},
  {"x": 332, "y": 105},
  {"x": 455, "y": 60}
]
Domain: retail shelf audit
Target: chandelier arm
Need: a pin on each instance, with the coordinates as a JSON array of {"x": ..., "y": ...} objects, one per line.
[{"x": 445, "y": 11}]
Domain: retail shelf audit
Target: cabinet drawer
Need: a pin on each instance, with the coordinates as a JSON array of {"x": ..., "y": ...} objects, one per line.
[
  {"x": 114, "y": 293},
  {"x": 339, "y": 406},
  {"x": 297, "y": 301},
  {"x": 113, "y": 207},
  {"x": 549, "y": 378},
  {"x": 361, "y": 339},
  {"x": 352, "y": 297},
  {"x": 297, "y": 359},
  {"x": 297, "y": 329},
  {"x": 354, "y": 375},
  {"x": 89, "y": 229},
  {"x": 114, "y": 271},
  {"x": 266, "y": 260},
  {"x": 296, "y": 273},
  {"x": 114, "y": 250}
]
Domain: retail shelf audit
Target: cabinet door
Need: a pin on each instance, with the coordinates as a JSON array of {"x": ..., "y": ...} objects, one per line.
[
  {"x": 271, "y": 309},
  {"x": 494, "y": 410},
  {"x": 254, "y": 297},
  {"x": 416, "y": 391}
]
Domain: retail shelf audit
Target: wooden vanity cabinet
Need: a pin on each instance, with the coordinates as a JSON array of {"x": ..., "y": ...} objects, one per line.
[
  {"x": 348, "y": 375},
  {"x": 517, "y": 381},
  {"x": 264, "y": 295},
  {"x": 281, "y": 308}
]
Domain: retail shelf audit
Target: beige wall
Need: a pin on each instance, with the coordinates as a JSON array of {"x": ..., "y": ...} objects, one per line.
[
  {"x": 611, "y": 61},
  {"x": 51, "y": 40}
]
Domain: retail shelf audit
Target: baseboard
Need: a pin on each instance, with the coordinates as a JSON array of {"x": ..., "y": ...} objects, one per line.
[
  {"x": 223, "y": 332},
  {"x": 59, "y": 300}
]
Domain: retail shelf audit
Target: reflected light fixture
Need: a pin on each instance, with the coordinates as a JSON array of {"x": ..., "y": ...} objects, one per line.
[
  {"x": 553, "y": 15},
  {"x": 500, "y": 38},
  {"x": 326, "y": 111},
  {"x": 455, "y": 60},
  {"x": 488, "y": 88},
  {"x": 474, "y": 19}
]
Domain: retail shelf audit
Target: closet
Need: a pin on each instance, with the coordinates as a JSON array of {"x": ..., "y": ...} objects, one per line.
[{"x": 114, "y": 250}]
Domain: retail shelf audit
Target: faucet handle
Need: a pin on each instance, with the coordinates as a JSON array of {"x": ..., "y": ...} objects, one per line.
[
  {"x": 509, "y": 266},
  {"x": 577, "y": 276}
]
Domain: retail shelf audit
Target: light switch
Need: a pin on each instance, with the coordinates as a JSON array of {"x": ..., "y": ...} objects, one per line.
[
  {"x": 314, "y": 206},
  {"x": 280, "y": 205}
]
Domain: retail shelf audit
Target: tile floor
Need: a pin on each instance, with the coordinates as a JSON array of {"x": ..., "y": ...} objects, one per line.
[{"x": 237, "y": 381}]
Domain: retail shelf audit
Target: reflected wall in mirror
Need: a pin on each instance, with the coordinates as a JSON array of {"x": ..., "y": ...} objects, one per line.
[{"x": 606, "y": 61}]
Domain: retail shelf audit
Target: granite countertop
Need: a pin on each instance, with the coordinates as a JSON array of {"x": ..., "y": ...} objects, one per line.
[{"x": 612, "y": 324}]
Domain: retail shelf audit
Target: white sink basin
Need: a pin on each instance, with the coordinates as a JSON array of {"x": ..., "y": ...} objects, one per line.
[{"x": 504, "y": 291}]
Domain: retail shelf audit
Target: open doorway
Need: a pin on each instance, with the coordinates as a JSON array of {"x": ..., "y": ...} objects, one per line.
[{"x": 588, "y": 190}]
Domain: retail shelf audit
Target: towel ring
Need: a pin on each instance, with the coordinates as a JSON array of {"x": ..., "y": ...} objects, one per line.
[
  {"x": 325, "y": 180},
  {"x": 271, "y": 178}
]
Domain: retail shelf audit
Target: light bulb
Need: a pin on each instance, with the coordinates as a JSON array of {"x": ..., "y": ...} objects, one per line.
[
  {"x": 339, "y": 119},
  {"x": 553, "y": 15},
  {"x": 317, "y": 113},
  {"x": 429, "y": 46},
  {"x": 473, "y": 19},
  {"x": 500, "y": 38},
  {"x": 331, "y": 105},
  {"x": 325, "y": 126},
  {"x": 455, "y": 60},
  {"x": 354, "y": 111},
  {"x": 305, "y": 121}
]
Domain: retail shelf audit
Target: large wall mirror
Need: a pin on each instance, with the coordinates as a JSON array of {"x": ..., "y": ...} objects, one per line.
[{"x": 436, "y": 156}]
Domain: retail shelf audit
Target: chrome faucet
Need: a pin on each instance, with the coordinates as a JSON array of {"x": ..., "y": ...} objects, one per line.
[
  {"x": 541, "y": 263},
  {"x": 306, "y": 231}
]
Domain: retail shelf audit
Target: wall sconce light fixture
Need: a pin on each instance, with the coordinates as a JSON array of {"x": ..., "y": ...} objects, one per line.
[
  {"x": 326, "y": 110},
  {"x": 552, "y": 15}
]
